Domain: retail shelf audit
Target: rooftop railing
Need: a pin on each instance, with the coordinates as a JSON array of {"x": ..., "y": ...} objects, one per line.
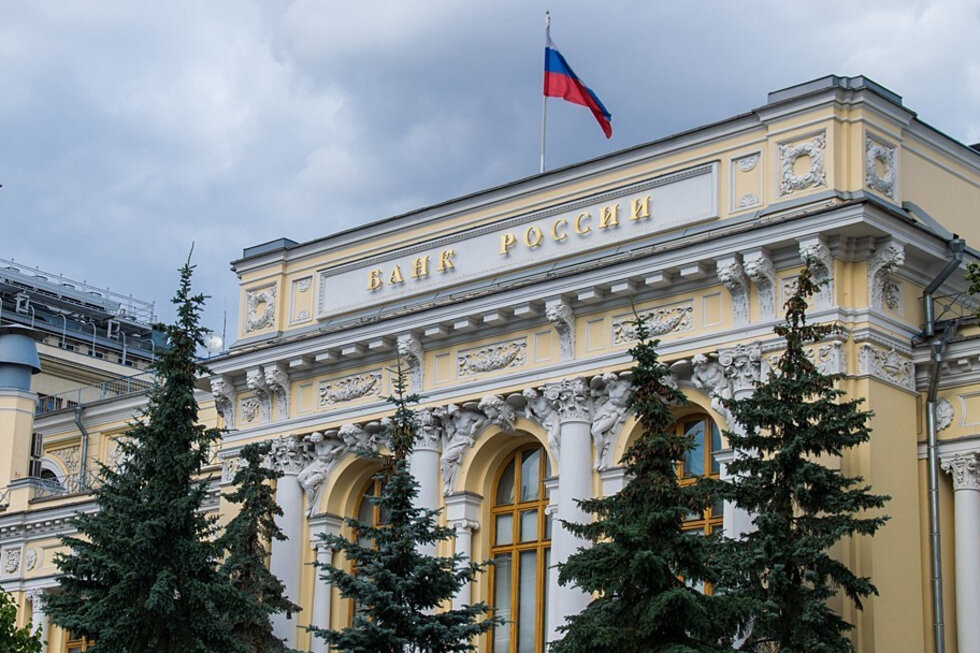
[{"x": 119, "y": 387}]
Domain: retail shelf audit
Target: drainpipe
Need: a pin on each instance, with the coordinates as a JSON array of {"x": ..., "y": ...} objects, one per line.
[
  {"x": 82, "y": 473},
  {"x": 938, "y": 345}
]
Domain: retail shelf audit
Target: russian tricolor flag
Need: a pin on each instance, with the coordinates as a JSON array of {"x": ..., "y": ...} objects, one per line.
[{"x": 561, "y": 81}]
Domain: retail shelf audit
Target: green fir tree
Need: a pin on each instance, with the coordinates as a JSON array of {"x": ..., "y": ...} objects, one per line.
[
  {"x": 12, "y": 638},
  {"x": 800, "y": 507},
  {"x": 399, "y": 592},
  {"x": 643, "y": 567},
  {"x": 142, "y": 574},
  {"x": 256, "y": 594}
]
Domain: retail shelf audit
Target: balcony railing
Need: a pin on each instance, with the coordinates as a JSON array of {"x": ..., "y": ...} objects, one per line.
[
  {"x": 112, "y": 388},
  {"x": 47, "y": 488}
]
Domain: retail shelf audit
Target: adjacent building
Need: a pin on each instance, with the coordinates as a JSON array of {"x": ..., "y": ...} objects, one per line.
[{"x": 510, "y": 311}]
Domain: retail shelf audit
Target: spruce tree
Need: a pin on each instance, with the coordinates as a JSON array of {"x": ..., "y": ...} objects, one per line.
[
  {"x": 800, "y": 507},
  {"x": 142, "y": 573},
  {"x": 642, "y": 566},
  {"x": 12, "y": 638},
  {"x": 397, "y": 591},
  {"x": 256, "y": 594}
]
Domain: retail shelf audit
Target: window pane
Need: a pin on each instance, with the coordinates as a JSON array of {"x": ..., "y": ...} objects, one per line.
[
  {"x": 529, "y": 525},
  {"x": 694, "y": 459},
  {"x": 547, "y": 525},
  {"x": 527, "y": 601},
  {"x": 501, "y": 602},
  {"x": 505, "y": 529},
  {"x": 715, "y": 446},
  {"x": 505, "y": 487},
  {"x": 530, "y": 469}
]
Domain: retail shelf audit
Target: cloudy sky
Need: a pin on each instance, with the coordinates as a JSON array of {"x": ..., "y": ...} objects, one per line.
[{"x": 129, "y": 130}]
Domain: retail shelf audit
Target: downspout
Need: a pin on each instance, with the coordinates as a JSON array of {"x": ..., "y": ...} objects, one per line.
[
  {"x": 82, "y": 473},
  {"x": 938, "y": 345}
]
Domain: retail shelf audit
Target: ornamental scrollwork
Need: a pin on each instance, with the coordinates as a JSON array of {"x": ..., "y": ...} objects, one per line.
[
  {"x": 512, "y": 353},
  {"x": 790, "y": 153},
  {"x": 944, "y": 414},
  {"x": 260, "y": 308},
  {"x": 743, "y": 367},
  {"x": 659, "y": 322},
  {"x": 886, "y": 258},
  {"x": 11, "y": 561},
  {"x": 887, "y": 364},
  {"x": 349, "y": 388},
  {"x": 965, "y": 470}
]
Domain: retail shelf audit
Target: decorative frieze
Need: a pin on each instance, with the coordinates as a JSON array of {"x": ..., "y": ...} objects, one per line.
[
  {"x": 224, "y": 399},
  {"x": 887, "y": 364},
  {"x": 881, "y": 287},
  {"x": 561, "y": 316},
  {"x": 732, "y": 276},
  {"x": 349, "y": 388},
  {"x": 490, "y": 358},
  {"x": 610, "y": 396},
  {"x": 815, "y": 175},
  {"x": 830, "y": 358},
  {"x": 880, "y": 168},
  {"x": 964, "y": 468},
  {"x": 660, "y": 321},
  {"x": 260, "y": 308},
  {"x": 760, "y": 269}
]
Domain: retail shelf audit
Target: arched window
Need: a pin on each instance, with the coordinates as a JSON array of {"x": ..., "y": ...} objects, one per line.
[
  {"x": 368, "y": 512},
  {"x": 700, "y": 461},
  {"x": 520, "y": 543}
]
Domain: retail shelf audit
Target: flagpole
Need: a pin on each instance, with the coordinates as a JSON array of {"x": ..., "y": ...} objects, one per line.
[{"x": 544, "y": 98}]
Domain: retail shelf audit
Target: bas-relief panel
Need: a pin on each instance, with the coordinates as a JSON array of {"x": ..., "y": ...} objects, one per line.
[
  {"x": 260, "y": 307},
  {"x": 301, "y": 300},
  {"x": 468, "y": 361},
  {"x": 802, "y": 163}
]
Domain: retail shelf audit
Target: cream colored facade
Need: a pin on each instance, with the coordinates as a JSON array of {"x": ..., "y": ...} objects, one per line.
[{"x": 509, "y": 308}]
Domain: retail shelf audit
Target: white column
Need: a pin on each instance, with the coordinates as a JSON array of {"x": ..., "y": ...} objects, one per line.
[
  {"x": 288, "y": 455},
  {"x": 574, "y": 406},
  {"x": 322, "y": 590},
  {"x": 463, "y": 516},
  {"x": 39, "y": 618},
  {"x": 424, "y": 465},
  {"x": 965, "y": 470}
]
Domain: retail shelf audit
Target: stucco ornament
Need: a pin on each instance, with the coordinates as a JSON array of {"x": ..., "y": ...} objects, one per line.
[
  {"x": 11, "y": 561},
  {"x": 610, "y": 395},
  {"x": 498, "y": 412},
  {"x": 460, "y": 428},
  {"x": 430, "y": 432},
  {"x": 875, "y": 155},
  {"x": 882, "y": 263},
  {"x": 830, "y": 358},
  {"x": 230, "y": 467},
  {"x": 760, "y": 269},
  {"x": 887, "y": 364},
  {"x": 361, "y": 440},
  {"x": 250, "y": 410},
  {"x": 732, "y": 276},
  {"x": 412, "y": 355},
  {"x": 349, "y": 388},
  {"x": 224, "y": 399},
  {"x": 707, "y": 374},
  {"x": 965, "y": 470},
  {"x": 491, "y": 358},
  {"x": 944, "y": 414},
  {"x": 541, "y": 409},
  {"x": 260, "y": 308},
  {"x": 743, "y": 367},
  {"x": 815, "y": 251},
  {"x": 326, "y": 450},
  {"x": 255, "y": 381},
  {"x": 562, "y": 317},
  {"x": 277, "y": 383},
  {"x": 31, "y": 559},
  {"x": 790, "y": 153},
  {"x": 572, "y": 398},
  {"x": 288, "y": 454},
  {"x": 659, "y": 322}
]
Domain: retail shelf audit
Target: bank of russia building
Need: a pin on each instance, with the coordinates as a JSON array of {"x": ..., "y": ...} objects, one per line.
[{"x": 510, "y": 312}]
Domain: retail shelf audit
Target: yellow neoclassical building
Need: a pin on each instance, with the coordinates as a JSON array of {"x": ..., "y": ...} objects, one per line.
[{"x": 510, "y": 310}]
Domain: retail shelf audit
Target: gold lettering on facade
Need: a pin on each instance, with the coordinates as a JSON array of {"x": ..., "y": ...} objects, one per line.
[
  {"x": 609, "y": 216},
  {"x": 420, "y": 267},
  {"x": 641, "y": 208},
  {"x": 578, "y": 223},
  {"x": 396, "y": 276},
  {"x": 374, "y": 279},
  {"x": 533, "y": 237},
  {"x": 446, "y": 260},
  {"x": 561, "y": 222},
  {"x": 506, "y": 242}
]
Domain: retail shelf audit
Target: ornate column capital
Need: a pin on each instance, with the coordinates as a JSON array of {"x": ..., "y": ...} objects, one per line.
[
  {"x": 430, "y": 430},
  {"x": 571, "y": 398},
  {"x": 964, "y": 468},
  {"x": 463, "y": 526},
  {"x": 289, "y": 455},
  {"x": 743, "y": 367}
]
